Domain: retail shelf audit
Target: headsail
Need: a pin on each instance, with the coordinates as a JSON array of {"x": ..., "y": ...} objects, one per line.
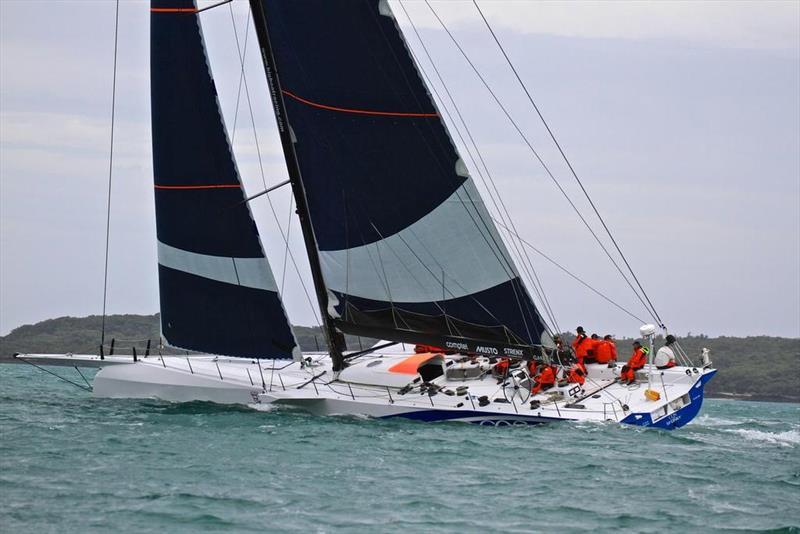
[
  {"x": 218, "y": 293},
  {"x": 407, "y": 248}
]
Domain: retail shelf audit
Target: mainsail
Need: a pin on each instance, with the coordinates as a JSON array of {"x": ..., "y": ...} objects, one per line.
[
  {"x": 218, "y": 293},
  {"x": 406, "y": 247}
]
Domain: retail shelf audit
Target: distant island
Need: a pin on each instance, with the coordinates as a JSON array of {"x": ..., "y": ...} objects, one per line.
[{"x": 750, "y": 368}]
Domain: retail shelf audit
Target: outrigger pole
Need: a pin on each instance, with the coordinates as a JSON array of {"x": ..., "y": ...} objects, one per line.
[{"x": 333, "y": 337}]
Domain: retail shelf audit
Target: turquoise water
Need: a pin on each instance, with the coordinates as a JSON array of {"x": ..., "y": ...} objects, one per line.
[{"x": 70, "y": 463}]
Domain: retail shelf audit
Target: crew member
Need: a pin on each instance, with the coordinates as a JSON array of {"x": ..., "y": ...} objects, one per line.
[
  {"x": 580, "y": 345},
  {"x": 636, "y": 362},
  {"x": 576, "y": 375},
  {"x": 591, "y": 350},
  {"x": 606, "y": 350},
  {"x": 665, "y": 357},
  {"x": 580, "y": 365},
  {"x": 501, "y": 367},
  {"x": 544, "y": 380}
]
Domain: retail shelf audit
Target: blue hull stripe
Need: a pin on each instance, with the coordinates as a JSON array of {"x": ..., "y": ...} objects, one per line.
[{"x": 450, "y": 415}]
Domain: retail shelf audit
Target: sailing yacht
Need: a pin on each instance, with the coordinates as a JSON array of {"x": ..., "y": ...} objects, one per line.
[{"x": 400, "y": 243}]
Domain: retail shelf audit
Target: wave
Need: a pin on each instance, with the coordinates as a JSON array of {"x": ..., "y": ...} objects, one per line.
[
  {"x": 710, "y": 421},
  {"x": 259, "y": 407},
  {"x": 787, "y": 438}
]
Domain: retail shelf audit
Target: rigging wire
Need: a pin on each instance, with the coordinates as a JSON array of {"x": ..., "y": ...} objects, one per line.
[
  {"x": 261, "y": 167},
  {"x": 241, "y": 72},
  {"x": 502, "y": 223},
  {"x": 567, "y": 161},
  {"x": 288, "y": 232},
  {"x": 538, "y": 157},
  {"x": 493, "y": 241},
  {"x": 110, "y": 169},
  {"x": 528, "y": 267},
  {"x": 539, "y": 292},
  {"x": 574, "y": 276},
  {"x": 480, "y": 223}
]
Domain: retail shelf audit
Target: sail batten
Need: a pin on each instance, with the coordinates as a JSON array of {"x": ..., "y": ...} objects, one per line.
[{"x": 217, "y": 291}]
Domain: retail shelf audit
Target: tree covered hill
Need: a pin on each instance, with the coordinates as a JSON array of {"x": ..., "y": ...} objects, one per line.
[
  {"x": 81, "y": 335},
  {"x": 756, "y": 368}
]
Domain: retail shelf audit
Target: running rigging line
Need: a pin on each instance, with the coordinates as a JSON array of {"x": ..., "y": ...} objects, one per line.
[
  {"x": 564, "y": 269},
  {"x": 566, "y": 160},
  {"x": 110, "y": 168},
  {"x": 538, "y": 157}
]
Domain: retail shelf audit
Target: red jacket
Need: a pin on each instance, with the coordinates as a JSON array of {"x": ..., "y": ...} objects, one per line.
[
  {"x": 581, "y": 345},
  {"x": 637, "y": 360},
  {"x": 547, "y": 377},
  {"x": 605, "y": 352},
  {"x": 576, "y": 375},
  {"x": 501, "y": 367},
  {"x": 591, "y": 347}
]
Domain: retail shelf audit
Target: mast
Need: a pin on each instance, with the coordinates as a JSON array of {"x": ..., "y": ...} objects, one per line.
[{"x": 334, "y": 338}]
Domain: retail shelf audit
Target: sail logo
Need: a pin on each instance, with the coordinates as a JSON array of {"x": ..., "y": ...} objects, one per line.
[
  {"x": 508, "y": 351},
  {"x": 487, "y": 350},
  {"x": 456, "y": 345}
]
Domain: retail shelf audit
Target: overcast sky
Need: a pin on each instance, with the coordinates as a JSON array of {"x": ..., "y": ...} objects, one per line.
[{"x": 682, "y": 119}]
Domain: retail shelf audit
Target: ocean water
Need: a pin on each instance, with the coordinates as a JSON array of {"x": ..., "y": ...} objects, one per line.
[{"x": 71, "y": 463}]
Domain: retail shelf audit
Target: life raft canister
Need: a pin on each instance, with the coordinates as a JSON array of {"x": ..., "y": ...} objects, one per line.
[{"x": 652, "y": 395}]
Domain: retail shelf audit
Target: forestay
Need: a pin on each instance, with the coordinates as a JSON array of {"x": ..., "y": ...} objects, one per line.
[
  {"x": 407, "y": 249},
  {"x": 218, "y": 293}
]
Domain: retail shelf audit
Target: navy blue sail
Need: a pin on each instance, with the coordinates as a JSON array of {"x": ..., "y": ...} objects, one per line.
[
  {"x": 218, "y": 294},
  {"x": 407, "y": 248}
]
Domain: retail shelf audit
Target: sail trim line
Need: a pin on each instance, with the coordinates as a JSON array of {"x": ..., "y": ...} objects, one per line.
[
  {"x": 210, "y": 186},
  {"x": 357, "y": 111},
  {"x": 173, "y": 10}
]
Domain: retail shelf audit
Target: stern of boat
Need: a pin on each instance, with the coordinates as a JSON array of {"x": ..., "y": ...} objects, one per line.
[{"x": 669, "y": 415}]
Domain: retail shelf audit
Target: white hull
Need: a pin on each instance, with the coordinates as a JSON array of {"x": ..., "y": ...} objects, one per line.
[{"x": 367, "y": 388}]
